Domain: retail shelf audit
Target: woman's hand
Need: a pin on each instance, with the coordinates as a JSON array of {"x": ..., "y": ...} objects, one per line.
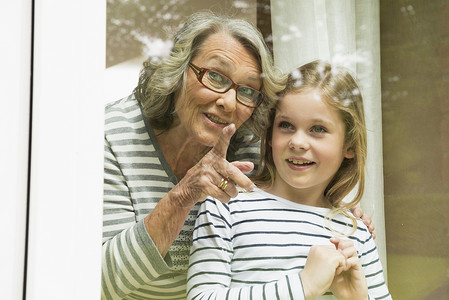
[
  {"x": 204, "y": 178},
  {"x": 349, "y": 282},
  {"x": 165, "y": 222},
  {"x": 358, "y": 213}
]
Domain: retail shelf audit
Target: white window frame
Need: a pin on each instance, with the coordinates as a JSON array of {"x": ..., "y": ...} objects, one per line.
[{"x": 65, "y": 94}]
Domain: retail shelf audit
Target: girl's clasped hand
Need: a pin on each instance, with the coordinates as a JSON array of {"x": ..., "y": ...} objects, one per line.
[{"x": 336, "y": 267}]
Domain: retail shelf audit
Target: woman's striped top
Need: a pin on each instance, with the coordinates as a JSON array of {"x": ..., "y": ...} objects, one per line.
[
  {"x": 136, "y": 177},
  {"x": 255, "y": 246}
]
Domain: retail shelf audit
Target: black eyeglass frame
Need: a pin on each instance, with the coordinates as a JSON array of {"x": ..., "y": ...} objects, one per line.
[{"x": 199, "y": 72}]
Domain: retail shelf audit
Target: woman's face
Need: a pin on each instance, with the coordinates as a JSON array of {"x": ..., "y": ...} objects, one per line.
[{"x": 203, "y": 113}]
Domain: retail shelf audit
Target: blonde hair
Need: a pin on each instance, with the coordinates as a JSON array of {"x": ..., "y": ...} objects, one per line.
[
  {"x": 340, "y": 90},
  {"x": 160, "y": 79}
]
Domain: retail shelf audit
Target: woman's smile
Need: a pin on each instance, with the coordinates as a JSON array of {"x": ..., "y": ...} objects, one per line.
[{"x": 216, "y": 120}]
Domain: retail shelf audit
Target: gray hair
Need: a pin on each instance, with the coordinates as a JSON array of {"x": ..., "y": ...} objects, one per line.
[{"x": 160, "y": 79}]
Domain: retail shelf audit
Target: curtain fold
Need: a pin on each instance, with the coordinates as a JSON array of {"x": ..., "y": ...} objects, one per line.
[{"x": 343, "y": 32}]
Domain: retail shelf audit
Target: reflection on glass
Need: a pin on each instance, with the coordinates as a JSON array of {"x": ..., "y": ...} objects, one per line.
[
  {"x": 145, "y": 28},
  {"x": 415, "y": 119},
  {"x": 140, "y": 29}
]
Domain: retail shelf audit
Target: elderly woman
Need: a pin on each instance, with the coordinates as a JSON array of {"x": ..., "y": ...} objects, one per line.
[
  {"x": 169, "y": 145},
  {"x": 163, "y": 153}
]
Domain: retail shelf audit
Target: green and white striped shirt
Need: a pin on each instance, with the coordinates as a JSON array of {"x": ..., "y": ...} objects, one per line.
[{"x": 136, "y": 177}]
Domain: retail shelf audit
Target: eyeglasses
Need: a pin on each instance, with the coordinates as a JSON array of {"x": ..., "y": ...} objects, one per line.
[{"x": 217, "y": 82}]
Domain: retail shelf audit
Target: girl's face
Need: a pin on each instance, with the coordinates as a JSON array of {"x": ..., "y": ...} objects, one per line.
[{"x": 307, "y": 144}]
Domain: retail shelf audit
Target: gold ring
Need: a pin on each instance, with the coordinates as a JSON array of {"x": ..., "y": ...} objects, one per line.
[{"x": 223, "y": 184}]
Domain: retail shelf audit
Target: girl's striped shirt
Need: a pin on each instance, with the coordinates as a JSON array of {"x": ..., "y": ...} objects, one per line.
[{"x": 255, "y": 247}]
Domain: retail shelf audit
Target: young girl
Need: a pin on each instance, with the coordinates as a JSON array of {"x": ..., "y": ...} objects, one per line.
[{"x": 293, "y": 237}]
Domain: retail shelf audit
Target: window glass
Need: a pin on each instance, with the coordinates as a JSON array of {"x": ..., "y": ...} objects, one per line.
[
  {"x": 139, "y": 29},
  {"x": 415, "y": 117}
]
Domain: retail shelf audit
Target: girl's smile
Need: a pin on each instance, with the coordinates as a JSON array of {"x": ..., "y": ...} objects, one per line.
[{"x": 299, "y": 164}]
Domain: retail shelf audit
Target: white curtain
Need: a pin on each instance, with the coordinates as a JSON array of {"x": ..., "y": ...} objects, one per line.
[{"x": 343, "y": 32}]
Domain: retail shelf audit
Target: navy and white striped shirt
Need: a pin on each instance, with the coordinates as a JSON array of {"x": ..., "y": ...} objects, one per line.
[{"x": 255, "y": 246}]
